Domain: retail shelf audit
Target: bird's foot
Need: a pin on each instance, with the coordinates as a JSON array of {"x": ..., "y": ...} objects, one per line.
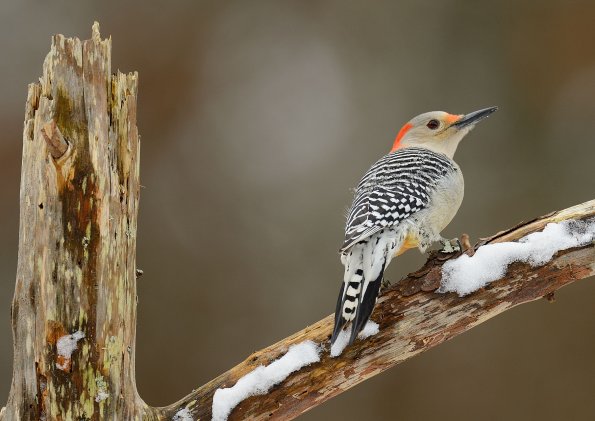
[
  {"x": 451, "y": 246},
  {"x": 385, "y": 284}
]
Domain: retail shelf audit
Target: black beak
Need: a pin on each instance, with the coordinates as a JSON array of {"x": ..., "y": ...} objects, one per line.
[{"x": 474, "y": 117}]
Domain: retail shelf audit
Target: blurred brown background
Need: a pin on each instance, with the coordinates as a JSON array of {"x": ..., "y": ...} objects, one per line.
[{"x": 257, "y": 118}]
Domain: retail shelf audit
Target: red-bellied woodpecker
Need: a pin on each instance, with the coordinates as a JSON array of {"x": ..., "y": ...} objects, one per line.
[{"x": 404, "y": 201}]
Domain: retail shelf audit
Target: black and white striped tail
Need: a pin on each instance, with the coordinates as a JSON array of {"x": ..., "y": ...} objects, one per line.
[{"x": 355, "y": 307}]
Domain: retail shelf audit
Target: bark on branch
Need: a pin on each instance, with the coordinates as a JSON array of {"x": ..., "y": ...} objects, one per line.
[
  {"x": 76, "y": 271},
  {"x": 412, "y": 317}
]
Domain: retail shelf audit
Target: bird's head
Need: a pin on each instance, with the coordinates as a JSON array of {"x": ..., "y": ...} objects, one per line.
[{"x": 438, "y": 131}]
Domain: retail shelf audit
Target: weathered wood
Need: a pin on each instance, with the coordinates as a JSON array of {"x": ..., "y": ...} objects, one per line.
[
  {"x": 76, "y": 271},
  {"x": 57, "y": 145},
  {"x": 412, "y": 317},
  {"x": 77, "y": 240}
]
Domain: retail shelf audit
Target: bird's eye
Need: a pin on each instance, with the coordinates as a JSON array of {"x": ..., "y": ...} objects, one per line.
[{"x": 433, "y": 124}]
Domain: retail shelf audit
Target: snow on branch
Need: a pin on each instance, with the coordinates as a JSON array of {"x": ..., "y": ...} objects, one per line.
[
  {"x": 370, "y": 329},
  {"x": 522, "y": 264},
  {"x": 490, "y": 262},
  {"x": 262, "y": 379}
]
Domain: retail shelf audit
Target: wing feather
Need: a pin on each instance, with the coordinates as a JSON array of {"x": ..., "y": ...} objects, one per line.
[{"x": 396, "y": 187}]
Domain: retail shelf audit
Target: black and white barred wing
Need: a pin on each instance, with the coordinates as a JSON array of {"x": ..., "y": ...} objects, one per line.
[
  {"x": 380, "y": 208},
  {"x": 396, "y": 186}
]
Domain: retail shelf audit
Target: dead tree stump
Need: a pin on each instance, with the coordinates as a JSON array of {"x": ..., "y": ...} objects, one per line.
[{"x": 77, "y": 241}]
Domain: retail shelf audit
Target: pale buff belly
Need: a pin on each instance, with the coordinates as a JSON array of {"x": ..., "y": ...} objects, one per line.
[{"x": 424, "y": 227}]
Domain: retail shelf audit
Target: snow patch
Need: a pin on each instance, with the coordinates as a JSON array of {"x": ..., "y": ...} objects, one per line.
[
  {"x": 260, "y": 380},
  {"x": 466, "y": 274},
  {"x": 370, "y": 329},
  {"x": 65, "y": 346},
  {"x": 183, "y": 415}
]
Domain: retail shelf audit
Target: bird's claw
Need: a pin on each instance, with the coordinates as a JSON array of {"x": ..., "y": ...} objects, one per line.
[{"x": 448, "y": 247}]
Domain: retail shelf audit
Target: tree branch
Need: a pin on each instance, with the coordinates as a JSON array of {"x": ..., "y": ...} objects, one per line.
[{"x": 412, "y": 317}]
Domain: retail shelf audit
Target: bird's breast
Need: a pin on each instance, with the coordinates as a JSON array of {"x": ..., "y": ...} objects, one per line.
[{"x": 445, "y": 201}]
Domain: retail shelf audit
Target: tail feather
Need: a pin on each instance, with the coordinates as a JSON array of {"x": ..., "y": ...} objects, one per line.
[
  {"x": 355, "y": 303},
  {"x": 365, "y": 307},
  {"x": 339, "y": 321},
  {"x": 347, "y": 303},
  {"x": 364, "y": 267}
]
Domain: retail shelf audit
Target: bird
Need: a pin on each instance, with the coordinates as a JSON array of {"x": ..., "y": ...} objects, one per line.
[{"x": 403, "y": 201}]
